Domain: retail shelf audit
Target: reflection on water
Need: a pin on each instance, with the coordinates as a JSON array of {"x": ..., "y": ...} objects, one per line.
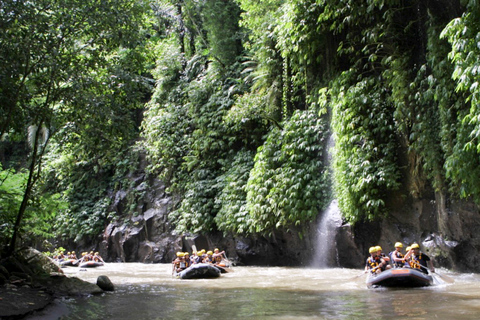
[{"x": 149, "y": 292}]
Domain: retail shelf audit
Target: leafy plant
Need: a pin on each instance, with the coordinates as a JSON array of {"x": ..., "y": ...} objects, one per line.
[
  {"x": 462, "y": 164},
  {"x": 288, "y": 184},
  {"x": 365, "y": 166}
]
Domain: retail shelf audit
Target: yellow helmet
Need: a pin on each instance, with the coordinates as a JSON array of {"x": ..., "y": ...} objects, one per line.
[
  {"x": 415, "y": 246},
  {"x": 203, "y": 250},
  {"x": 91, "y": 252},
  {"x": 398, "y": 245},
  {"x": 209, "y": 253},
  {"x": 378, "y": 248},
  {"x": 186, "y": 254},
  {"x": 179, "y": 254},
  {"x": 96, "y": 253},
  {"x": 216, "y": 249},
  {"x": 69, "y": 252},
  {"x": 73, "y": 252},
  {"x": 372, "y": 249},
  {"x": 408, "y": 248}
]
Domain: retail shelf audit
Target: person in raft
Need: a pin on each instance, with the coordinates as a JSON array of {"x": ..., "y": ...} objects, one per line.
[
  {"x": 197, "y": 257},
  {"x": 397, "y": 257},
  {"x": 217, "y": 256},
  {"x": 179, "y": 263},
  {"x": 208, "y": 258},
  {"x": 85, "y": 257},
  {"x": 97, "y": 258},
  {"x": 72, "y": 256},
  {"x": 407, "y": 260},
  {"x": 188, "y": 262},
  {"x": 375, "y": 263},
  {"x": 419, "y": 260},
  {"x": 384, "y": 257}
]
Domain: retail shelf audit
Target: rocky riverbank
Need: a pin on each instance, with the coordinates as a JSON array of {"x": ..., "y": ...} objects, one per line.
[{"x": 29, "y": 281}]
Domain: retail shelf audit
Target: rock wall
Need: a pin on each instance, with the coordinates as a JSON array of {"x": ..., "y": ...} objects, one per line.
[
  {"x": 446, "y": 230},
  {"x": 146, "y": 235}
]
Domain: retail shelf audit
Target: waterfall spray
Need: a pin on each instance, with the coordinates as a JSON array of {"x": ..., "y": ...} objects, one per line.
[{"x": 325, "y": 254}]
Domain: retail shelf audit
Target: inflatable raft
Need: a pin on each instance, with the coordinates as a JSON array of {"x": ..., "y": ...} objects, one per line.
[
  {"x": 91, "y": 264},
  {"x": 69, "y": 262},
  {"x": 402, "y": 277},
  {"x": 225, "y": 266},
  {"x": 223, "y": 269},
  {"x": 199, "y": 271}
]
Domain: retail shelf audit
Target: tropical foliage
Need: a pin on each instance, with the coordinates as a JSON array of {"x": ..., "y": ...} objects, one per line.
[{"x": 233, "y": 102}]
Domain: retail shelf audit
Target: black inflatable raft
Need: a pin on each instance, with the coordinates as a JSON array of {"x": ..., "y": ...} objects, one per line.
[
  {"x": 91, "y": 264},
  {"x": 199, "y": 271},
  {"x": 402, "y": 277}
]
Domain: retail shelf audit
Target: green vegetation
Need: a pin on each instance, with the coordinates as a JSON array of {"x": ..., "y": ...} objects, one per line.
[{"x": 232, "y": 102}]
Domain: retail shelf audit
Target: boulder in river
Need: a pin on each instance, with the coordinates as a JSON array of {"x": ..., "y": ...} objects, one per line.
[
  {"x": 105, "y": 284},
  {"x": 70, "y": 286}
]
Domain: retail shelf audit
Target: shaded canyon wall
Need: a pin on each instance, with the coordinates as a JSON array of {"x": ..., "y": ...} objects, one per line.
[{"x": 446, "y": 230}]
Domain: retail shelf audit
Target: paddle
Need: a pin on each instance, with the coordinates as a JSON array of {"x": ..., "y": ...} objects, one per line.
[
  {"x": 228, "y": 264},
  {"x": 443, "y": 277},
  {"x": 356, "y": 277},
  {"x": 228, "y": 260}
]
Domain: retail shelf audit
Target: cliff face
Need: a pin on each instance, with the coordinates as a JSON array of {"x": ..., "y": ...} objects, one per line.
[
  {"x": 146, "y": 236},
  {"x": 445, "y": 229}
]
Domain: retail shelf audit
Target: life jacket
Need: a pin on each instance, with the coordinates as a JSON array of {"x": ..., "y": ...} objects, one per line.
[
  {"x": 415, "y": 262},
  {"x": 207, "y": 259},
  {"x": 396, "y": 254},
  {"x": 176, "y": 263},
  {"x": 218, "y": 259},
  {"x": 373, "y": 262}
]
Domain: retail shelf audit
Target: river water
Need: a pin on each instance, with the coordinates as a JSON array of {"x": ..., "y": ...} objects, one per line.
[{"x": 148, "y": 291}]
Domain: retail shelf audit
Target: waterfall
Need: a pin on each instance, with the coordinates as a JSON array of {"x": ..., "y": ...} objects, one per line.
[{"x": 325, "y": 254}]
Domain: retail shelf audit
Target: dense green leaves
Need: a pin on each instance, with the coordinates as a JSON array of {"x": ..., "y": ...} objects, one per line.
[
  {"x": 40, "y": 215},
  {"x": 365, "y": 149},
  {"x": 233, "y": 215},
  {"x": 288, "y": 183},
  {"x": 245, "y": 94},
  {"x": 382, "y": 71},
  {"x": 463, "y": 163},
  {"x": 74, "y": 70}
]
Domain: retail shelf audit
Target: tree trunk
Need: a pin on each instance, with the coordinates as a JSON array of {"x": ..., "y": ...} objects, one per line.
[{"x": 26, "y": 195}]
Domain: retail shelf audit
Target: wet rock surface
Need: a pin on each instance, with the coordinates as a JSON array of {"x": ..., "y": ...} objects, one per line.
[
  {"x": 31, "y": 281},
  {"x": 17, "y": 302},
  {"x": 105, "y": 284}
]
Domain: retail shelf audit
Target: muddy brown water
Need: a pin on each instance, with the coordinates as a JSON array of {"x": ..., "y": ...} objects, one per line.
[{"x": 148, "y": 291}]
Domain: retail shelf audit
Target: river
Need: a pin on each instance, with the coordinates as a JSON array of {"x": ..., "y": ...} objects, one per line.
[{"x": 148, "y": 291}]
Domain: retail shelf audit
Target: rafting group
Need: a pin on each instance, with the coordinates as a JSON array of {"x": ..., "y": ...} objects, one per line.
[
  {"x": 201, "y": 264},
  {"x": 88, "y": 259},
  {"x": 412, "y": 269}
]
